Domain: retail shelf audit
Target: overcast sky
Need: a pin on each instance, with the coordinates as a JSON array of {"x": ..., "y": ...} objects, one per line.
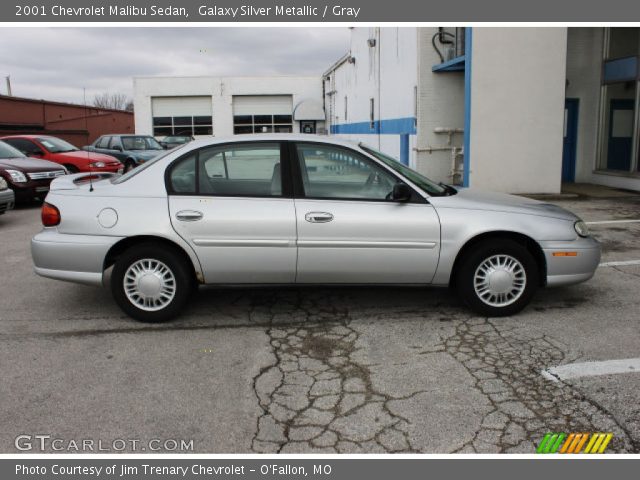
[{"x": 56, "y": 63}]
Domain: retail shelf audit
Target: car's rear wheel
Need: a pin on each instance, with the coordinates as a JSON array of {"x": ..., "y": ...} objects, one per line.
[
  {"x": 151, "y": 282},
  {"x": 497, "y": 278}
]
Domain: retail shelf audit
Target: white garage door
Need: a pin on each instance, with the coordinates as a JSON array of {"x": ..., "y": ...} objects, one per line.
[
  {"x": 181, "y": 106},
  {"x": 182, "y": 115},
  {"x": 262, "y": 113},
  {"x": 262, "y": 105}
]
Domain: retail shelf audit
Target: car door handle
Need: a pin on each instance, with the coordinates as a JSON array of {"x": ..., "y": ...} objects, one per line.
[
  {"x": 318, "y": 217},
  {"x": 189, "y": 215}
]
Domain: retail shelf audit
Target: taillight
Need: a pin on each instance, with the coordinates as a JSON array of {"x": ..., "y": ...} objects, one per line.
[{"x": 50, "y": 215}]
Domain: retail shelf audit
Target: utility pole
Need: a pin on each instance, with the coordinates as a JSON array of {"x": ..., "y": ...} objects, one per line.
[{"x": 9, "y": 85}]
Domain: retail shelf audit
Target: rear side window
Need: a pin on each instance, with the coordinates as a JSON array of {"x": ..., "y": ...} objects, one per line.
[
  {"x": 103, "y": 142},
  {"x": 240, "y": 170},
  {"x": 183, "y": 175}
]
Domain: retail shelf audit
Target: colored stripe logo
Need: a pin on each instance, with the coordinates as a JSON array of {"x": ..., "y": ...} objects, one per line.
[{"x": 574, "y": 443}]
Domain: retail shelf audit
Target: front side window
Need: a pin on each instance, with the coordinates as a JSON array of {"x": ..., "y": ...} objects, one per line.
[
  {"x": 102, "y": 142},
  {"x": 335, "y": 172},
  {"x": 140, "y": 143},
  {"x": 251, "y": 170}
]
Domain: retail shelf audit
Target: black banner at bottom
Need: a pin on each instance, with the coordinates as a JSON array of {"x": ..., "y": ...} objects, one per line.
[{"x": 329, "y": 468}]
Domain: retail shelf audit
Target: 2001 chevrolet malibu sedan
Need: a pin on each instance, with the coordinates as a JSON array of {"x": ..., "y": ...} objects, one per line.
[{"x": 299, "y": 209}]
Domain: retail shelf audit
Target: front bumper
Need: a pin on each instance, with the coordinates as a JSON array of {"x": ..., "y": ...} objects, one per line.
[
  {"x": 568, "y": 270},
  {"x": 72, "y": 258},
  {"x": 7, "y": 200}
]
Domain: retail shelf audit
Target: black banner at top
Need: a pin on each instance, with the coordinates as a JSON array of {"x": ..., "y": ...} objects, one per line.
[{"x": 350, "y": 11}]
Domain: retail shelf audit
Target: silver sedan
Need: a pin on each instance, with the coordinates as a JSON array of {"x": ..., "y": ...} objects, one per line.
[{"x": 305, "y": 210}]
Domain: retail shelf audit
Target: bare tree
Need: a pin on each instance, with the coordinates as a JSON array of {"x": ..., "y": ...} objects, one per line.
[{"x": 116, "y": 101}]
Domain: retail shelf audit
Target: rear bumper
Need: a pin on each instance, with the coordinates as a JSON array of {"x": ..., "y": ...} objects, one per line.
[
  {"x": 569, "y": 270},
  {"x": 7, "y": 200},
  {"x": 72, "y": 258}
]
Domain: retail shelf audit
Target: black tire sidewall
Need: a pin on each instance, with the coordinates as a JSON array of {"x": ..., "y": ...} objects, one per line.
[
  {"x": 476, "y": 256},
  {"x": 173, "y": 260}
]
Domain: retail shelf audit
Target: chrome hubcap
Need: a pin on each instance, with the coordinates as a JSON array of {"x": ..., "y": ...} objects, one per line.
[
  {"x": 149, "y": 284},
  {"x": 499, "y": 280}
]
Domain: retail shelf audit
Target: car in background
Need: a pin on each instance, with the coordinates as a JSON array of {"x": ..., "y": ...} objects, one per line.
[
  {"x": 173, "y": 141},
  {"x": 305, "y": 210},
  {"x": 62, "y": 152},
  {"x": 7, "y": 197},
  {"x": 28, "y": 178},
  {"x": 131, "y": 150}
]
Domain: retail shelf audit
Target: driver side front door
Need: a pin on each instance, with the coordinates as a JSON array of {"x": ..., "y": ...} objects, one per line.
[{"x": 350, "y": 232}]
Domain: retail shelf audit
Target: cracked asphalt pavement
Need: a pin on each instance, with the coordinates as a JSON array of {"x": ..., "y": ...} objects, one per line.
[{"x": 306, "y": 370}]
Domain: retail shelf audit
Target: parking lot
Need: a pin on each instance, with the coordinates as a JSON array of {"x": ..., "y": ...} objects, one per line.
[{"x": 323, "y": 370}]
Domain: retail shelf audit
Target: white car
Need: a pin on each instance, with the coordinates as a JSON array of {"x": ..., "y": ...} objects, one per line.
[{"x": 300, "y": 209}]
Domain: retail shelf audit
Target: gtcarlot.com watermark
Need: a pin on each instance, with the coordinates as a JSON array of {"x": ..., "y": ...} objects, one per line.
[{"x": 49, "y": 443}]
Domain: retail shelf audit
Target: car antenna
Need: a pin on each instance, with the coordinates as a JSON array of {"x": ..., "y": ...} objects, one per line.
[{"x": 86, "y": 128}]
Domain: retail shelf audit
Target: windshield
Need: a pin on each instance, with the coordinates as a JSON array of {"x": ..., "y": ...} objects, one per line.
[
  {"x": 176, "y": 139},
  {"x": 140, "y": 143},
  {"x": 56, "y": 145},
  {"x": 145, "y": 165},
  {"x": 7, "y": 151},
  {"x": 419, "y": 180}
]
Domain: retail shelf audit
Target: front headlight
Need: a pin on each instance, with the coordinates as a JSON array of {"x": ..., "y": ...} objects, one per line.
[
  {"x": 17, "y": 176},
  {"x": 97, "y": 164},
  {"x": 3, "y": 184},
  {"x": 581, "y": 228}
]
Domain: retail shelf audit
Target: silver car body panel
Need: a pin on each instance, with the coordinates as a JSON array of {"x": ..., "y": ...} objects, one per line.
[
  {"x": 356, "y": 247},
  {"x": 240, "y": 240},
  {"x": 268, "y": 240},
  {"x": 7, "y": 200}
]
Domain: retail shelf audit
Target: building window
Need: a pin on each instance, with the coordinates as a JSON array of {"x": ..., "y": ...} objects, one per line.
[
  {"x": 183, "y": 125},
  {"x": 346, "y": 110},
  {"x": 618, "y": 137},
  {"x": 262, "y": 124},
  {"x": 372, "y": 115}
]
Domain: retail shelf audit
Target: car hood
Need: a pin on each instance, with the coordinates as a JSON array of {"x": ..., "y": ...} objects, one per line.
[
  {"x": 26, "y": 164},
  {"x": 87, "y": 156},
  {"x": 145, "y": 154},
  {"x": 471, "y": 199}
]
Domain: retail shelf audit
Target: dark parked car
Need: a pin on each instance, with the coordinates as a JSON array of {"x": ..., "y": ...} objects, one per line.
[
  {"x": 132, "y": 150},
  {"x": 173, "y": 141},
  {"x": 29, "y": 178}
]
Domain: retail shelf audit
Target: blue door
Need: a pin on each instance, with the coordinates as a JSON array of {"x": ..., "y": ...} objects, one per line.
[
  {"x": 570, "y": 140},
  {"x": 620, "y": 134}
]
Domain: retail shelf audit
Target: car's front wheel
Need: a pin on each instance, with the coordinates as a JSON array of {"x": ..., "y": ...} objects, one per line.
[
  {"x": 497, "y": 278},
  {"x": 151, "y": 282}
]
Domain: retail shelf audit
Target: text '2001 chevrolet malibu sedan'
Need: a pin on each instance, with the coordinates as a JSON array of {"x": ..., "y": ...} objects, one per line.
[{"x": 299, "y": 209}]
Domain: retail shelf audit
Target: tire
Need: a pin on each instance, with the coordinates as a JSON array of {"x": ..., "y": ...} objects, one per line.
[
  {"x": 129, "y": 165},
  {"x": 72, "y": 169},
  {"x": 161, "y": 268},
  {"x": 497, "y": 278}
]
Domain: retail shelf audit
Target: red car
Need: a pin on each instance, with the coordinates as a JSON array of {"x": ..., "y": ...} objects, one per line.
[{"x": 62, "y": 152}]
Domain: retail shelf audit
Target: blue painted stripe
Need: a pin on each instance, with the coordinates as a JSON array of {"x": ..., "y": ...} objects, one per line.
[
  {"x": 392, "y": 126},
  {"x": 467, "y": 105},
  {"x": 404, "y": 149}
]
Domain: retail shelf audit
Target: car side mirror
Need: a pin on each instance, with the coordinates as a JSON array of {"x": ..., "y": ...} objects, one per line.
[
  {"x": 116, "y": 147},
  {"x": 35, "y": 153},
  {"x": 401, "y": 192}
]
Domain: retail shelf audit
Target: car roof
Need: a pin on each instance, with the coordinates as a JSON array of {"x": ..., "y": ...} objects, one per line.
[
  {"x": 291, "y": 137},
  {"x": 30, "y": 136}
]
